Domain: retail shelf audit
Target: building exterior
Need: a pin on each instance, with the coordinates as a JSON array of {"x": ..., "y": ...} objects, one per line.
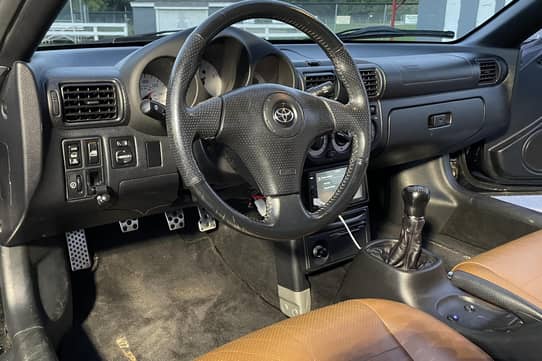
[
  {"x": 459, "y": 16},
  {"x": 455, "y": 15}
]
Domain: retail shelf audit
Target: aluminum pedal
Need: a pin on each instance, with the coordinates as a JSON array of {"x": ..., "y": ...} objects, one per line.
[
  {"x": 206, "y": 222},
  {"x": 175, "y": 218},
  {"x": 78, "y": 250},
  {"x": 129, "y": 225}
]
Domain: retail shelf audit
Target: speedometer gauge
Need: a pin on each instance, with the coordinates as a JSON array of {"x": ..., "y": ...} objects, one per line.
[
  {"x": 210, "y": 78},
  {"x": 150, "y": 87}
]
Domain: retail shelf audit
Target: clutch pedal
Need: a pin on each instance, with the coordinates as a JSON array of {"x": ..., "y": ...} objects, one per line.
[
  {"x": 206, "y": 222},
  {"x": 175, "y": 218},
  {"x": 129, "y": 225},
  {"x": 78, "y": 250}
]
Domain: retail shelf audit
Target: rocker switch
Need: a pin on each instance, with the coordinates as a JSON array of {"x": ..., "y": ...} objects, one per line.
[{"x": 93, "y": 152}]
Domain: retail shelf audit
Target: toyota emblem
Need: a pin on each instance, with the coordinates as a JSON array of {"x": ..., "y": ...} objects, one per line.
[{"x": 284, "y": 115}]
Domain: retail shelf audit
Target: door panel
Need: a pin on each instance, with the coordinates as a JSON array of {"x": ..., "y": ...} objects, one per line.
[{"x": 515, "y": 158}]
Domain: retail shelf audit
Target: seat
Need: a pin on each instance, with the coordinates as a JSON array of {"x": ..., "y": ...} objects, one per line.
[
  {"x": 368, "y": 329},
  {"x": 509, "y": 276}
]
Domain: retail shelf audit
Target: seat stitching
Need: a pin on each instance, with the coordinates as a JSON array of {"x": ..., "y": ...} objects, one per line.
[{"x": 386, "y": 327}]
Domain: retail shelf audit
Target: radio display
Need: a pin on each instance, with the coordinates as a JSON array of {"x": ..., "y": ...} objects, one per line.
[{"x": 327, "y": 182}]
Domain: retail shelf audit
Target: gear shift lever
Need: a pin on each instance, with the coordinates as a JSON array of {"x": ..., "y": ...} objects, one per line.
[{"x": 406, "y": 253}]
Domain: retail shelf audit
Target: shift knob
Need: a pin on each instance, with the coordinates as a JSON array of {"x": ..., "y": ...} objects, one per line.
[{"x": 415, "y": 198}]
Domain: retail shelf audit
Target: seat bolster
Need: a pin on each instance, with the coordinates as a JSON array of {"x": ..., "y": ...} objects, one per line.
[
  {"x": 423, "y": 336},
  {"x": 355, "y": 330}
]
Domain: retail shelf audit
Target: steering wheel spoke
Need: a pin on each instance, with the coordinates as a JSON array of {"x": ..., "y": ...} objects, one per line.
[
  {"x": 206, "y": 117},
  {"x": 286, "y": 211}
]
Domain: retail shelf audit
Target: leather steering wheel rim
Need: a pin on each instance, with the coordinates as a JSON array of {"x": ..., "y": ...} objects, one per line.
[{"x": 274, "y": 147}]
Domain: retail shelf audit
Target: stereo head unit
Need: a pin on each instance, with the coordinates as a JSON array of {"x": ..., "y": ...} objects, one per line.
[{"x": 324, "y": 183}]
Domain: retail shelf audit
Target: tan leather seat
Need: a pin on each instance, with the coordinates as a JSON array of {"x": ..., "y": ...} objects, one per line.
[
  {"x": 515, "y": 267},
  {"x": 368, "y": 329}
]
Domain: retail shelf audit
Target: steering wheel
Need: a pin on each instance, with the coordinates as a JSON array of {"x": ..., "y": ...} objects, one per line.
[{"x": 269, "y": 126}]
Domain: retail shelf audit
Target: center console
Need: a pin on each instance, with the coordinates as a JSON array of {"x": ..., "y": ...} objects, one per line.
[
  {"x": 333, "y": 245},
  {"x": 401, "y": 270}
]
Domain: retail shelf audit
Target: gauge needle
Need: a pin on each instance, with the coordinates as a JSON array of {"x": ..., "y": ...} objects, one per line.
[{"x": 148, "y": 96}]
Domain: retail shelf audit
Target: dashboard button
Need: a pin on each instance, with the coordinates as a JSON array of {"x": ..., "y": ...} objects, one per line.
[
  {"x": 123, "y": 156},
  {"x": 72, "y": 154},
  {"x": 123, "y": 152},
  {"x": 74, "y": 183},
  {"x": 93, "y": 152}
]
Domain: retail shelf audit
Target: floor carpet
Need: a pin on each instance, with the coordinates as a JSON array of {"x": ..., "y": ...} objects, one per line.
[{"x": 168, "y": 298}]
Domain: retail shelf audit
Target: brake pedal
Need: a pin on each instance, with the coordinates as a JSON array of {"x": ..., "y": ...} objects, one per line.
[
  {"x": 129, "y": 225},
  {"x": 206, "y": 222},
  {"x": 78, "y": 250},
  {"x": 175, "y": 218}
]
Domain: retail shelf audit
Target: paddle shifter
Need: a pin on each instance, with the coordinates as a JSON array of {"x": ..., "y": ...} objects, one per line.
[{"x": 405, "y": 254}]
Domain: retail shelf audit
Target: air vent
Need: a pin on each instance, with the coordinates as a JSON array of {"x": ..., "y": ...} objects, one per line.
[
  {"x": 371, "y": 80},
  {"x": 315, "y": 79},
  {"x": 489, "y": 71},
  {"x": 90, "y": 102}
]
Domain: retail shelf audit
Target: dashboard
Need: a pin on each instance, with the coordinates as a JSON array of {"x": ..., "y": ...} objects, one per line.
[{"x": 102, "y": 115}]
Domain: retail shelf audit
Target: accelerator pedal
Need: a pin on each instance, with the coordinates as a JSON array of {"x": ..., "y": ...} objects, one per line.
[{"x": 206, "y": 222}]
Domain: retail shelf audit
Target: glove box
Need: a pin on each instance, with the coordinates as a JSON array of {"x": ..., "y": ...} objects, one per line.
[{"x": 425, "y": 131}]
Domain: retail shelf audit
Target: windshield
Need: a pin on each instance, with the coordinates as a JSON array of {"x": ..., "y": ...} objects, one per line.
[{"x": 87, "y": 21}]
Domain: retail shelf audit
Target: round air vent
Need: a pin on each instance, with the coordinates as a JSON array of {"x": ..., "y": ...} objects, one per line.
[
  {"x": 341, "y": 141},
  {"x": 318, "y": 148}
]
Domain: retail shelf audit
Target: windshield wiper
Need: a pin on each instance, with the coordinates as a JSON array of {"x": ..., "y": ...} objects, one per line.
[{"x": 375, "y": 32}]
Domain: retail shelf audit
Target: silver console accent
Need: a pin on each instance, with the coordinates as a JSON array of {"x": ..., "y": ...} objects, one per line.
[
  {"x": 129, "y": 225},
  {"x": 78, "y": 250},
  {"x": 294, "y": 303},
  {"x": 175, "y": 218},
  {"x": 206, "y": 222}
]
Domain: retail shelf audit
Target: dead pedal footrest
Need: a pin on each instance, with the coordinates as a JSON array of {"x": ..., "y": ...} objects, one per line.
[{"x": 78, "y": 250}]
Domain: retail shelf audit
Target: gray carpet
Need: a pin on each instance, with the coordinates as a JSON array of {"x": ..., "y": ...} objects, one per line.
[
  {"x": 244, "y": 254},
  {"x": 170, "y": 298}
]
